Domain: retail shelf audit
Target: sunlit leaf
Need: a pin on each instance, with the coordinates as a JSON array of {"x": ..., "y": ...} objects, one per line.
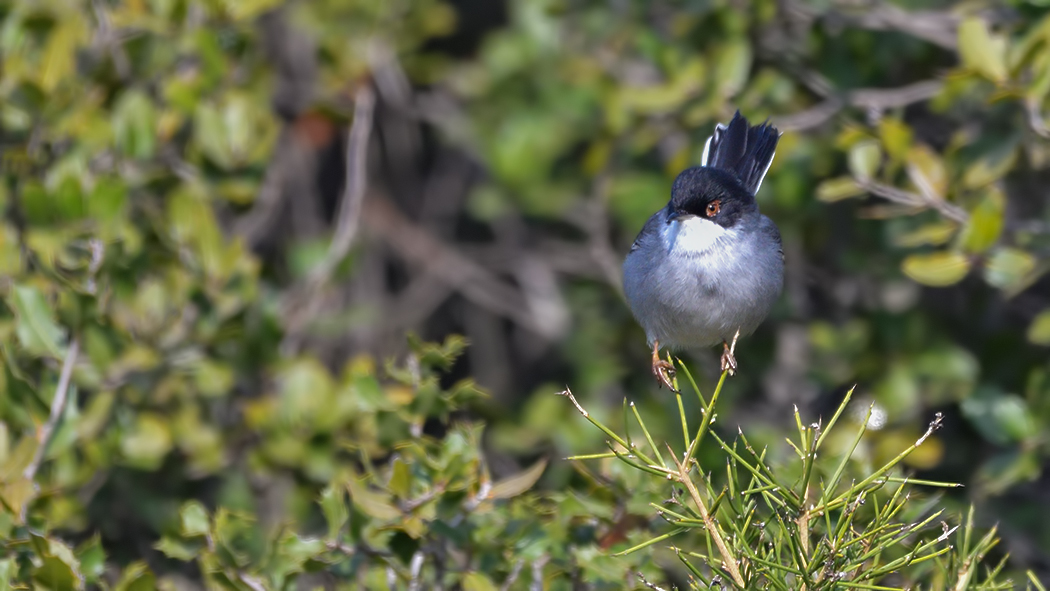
[
  {"x": 133, "y": 124},
  {"x": 1002, "y": 418},
  {"x": 985, "y": 223},
  {"x": 932, "y": 234},
  {"x": 193, "y": 520},
  {"x": 1007, "y": 267},
  {"x": 136, "y": 577},
  {"x": 989, "y": 168},
  {"x": 838, "y": 188},
  {"x": 926, "y": 169},
  {"x": 938, "y": 269},
  {"x": 513, "y": 486},
  {"x": 36, "y": 328},
  {"x": 864, "y": 159},
  {"x": 55, "y": 574},
  {"x": 371, "y": 503},
  {"x": 1039, "y": 330},
  {"x": 92, "y": 558},
  {"x": 981, "y": 51},
  {"x": 148, "y": 442},
  {"x": 896, "y": 137},
  {"x": 177, "y": 549},
  {"x": 400, "y": 479},
  {"x": 475, "y": 581},
  {"x": 333, "y": 505},
  {"x": 732, "y": 67},
  {"x": 59, "y": 568}
]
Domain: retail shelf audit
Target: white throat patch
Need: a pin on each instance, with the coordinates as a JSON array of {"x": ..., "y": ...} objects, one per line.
[{"x": 693, "y": 235}]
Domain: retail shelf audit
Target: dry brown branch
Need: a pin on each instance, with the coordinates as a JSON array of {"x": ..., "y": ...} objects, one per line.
[
  {"x": 871, "y": 99},
  {"x": 444, "y": 262},
  {"x": 255, "y": 225},
  {"x": 58, "y": 407},
  {"x": 304, "y": 301},
  {"x": 948, "y": 210},
  {"x": 935, "y": 26},
  {"x": 349, "y": 215}
]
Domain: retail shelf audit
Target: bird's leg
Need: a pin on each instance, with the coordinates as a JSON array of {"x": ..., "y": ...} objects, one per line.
[
  {"x": 662, "y": 370},
  {"x": 728, "y": 358}
]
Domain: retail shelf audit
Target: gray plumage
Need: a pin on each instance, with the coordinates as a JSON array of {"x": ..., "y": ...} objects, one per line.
[{"x": 693, "y": 277}]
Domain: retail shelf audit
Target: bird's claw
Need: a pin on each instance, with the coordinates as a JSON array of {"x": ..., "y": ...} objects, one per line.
[
  {"x": 664, "y": 373},
  {"x": 728, "y": 362}
]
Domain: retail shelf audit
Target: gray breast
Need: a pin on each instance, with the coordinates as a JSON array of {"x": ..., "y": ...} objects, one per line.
[{"x": 686, "y": 299}]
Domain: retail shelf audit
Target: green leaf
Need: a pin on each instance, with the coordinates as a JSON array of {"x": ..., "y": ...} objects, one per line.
[
  {"x": 986, "y": 222},
  {"x": 177, "y": 549},
  {"x": 1008, "y": 267},
  {"x": 8, "y": 571},
  {"x": 136, "y": 577},
  {"x": 371, "y": 503},
  {"x": 291, "y": 555},
  {"x": 133, "y": 125},
  {"x": 56, "y": 575},
  {"x": 733, "y": 67},
  {"x": 896, "y": 137},
  {"x": 1039, "y": 330},
  {"x": 981, "y": 51},
  {"x": 864, "y": 159},
  {"x": 107, "y": 199},
  {"x": 1006, "y": 469},
  {"x": 475, "y": 581},
  {"x": 927, "y": 171},
  {"x": 60, "y": 53},
  {"x": 213, "y": 378},
  {"x": 333, "y": 505},
  {"x": 193, "y": 519},
  {"x": 92, "y": 558},
  {"x": 1001, "y": 418},
  {"x": 400, "y": 479},
  {"x": 838, "y": 188},
  {"x": 59, "y": 568},
  {"x": 938, "y": 269},
  {"x": 990, "y": 168},
  {"x": 36, "y": 328},
  {"x": 932, "y": 234},
  {"x": 148, "y": 443},
  {"x": 519, "y": 483}
]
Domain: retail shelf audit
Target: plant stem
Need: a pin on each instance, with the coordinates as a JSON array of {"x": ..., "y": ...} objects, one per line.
[{"x": 727, "y": 556}]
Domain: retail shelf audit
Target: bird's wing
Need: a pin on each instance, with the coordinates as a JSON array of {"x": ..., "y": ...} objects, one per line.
[
  {"x": 651, "y": 229},
  {"x": 742, "y": 149},
  {"x": 770, "y": 228}
]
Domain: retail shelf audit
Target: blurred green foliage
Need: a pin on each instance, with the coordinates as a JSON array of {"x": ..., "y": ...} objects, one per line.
[{"x": 173, "y": 415}]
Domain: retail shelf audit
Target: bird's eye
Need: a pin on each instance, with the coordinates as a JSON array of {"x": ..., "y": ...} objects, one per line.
[{"x": 713, "y": 207}]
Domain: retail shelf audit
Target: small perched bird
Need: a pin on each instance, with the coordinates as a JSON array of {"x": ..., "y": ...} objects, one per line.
[{"x": 708, "y": 267}]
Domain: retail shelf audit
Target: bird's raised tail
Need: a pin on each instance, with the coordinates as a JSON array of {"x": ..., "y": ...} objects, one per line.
[{"x": 742, "y": 149}]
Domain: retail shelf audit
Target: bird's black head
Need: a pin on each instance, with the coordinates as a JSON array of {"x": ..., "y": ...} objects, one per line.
[{"x": 713, "y": 194}]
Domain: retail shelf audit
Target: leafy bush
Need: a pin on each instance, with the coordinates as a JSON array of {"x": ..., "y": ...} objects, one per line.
[{"x": 220, "y": 219}]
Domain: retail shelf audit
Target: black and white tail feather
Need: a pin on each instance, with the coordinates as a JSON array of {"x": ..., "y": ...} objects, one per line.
[{"x": 744, "y": 150}]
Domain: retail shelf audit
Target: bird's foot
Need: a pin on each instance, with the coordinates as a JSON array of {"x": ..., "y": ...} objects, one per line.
[
  {"x": 664, "y": 373},
  {"x": 728, "y": 362},
  {"x": 663, "y": 370}
]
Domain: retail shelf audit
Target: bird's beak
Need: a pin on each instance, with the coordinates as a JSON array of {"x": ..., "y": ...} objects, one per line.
[{"x": 675, "y": 216}]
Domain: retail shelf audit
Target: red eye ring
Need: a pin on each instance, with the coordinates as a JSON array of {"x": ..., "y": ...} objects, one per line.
[{"x": 713, "y": 208}]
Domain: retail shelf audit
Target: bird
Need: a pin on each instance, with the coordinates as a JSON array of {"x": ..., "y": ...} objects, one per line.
[{"x": 709, "y": 266}]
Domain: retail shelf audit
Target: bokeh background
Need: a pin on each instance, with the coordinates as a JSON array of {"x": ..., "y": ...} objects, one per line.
[{"x": 227, "y": 208}]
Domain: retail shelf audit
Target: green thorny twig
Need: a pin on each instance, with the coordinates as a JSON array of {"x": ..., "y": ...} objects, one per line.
[
  {"x": 849, "y": 552},
  {"x": 679, "y": 472}
]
